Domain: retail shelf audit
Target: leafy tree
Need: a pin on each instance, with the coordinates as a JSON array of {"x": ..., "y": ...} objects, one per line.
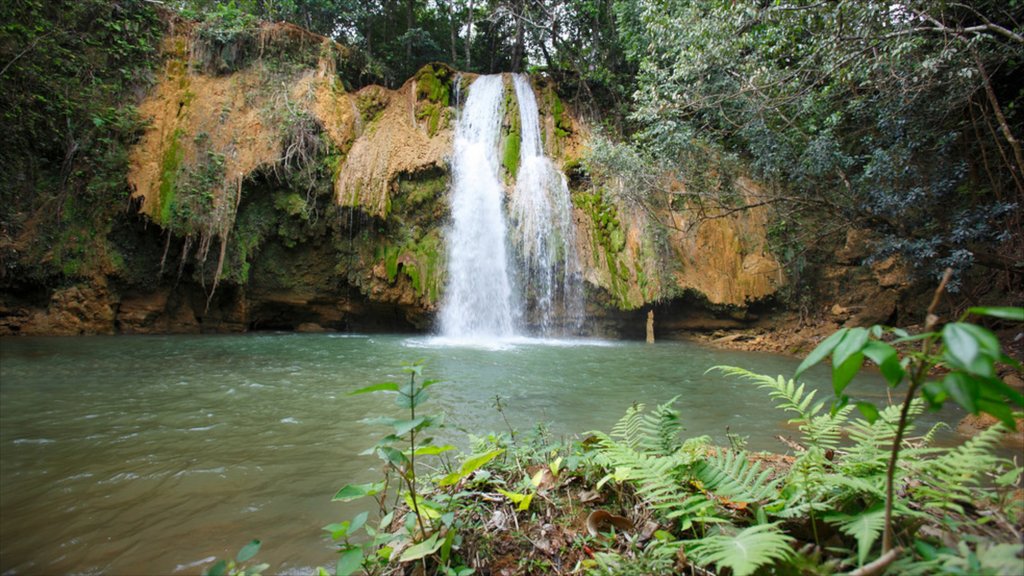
[
  {"x": 67, "y": 71},
  {"x": 897, "y": 117}
]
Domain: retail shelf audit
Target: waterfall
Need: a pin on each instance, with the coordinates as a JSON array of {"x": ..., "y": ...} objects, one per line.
[
  {"x": 543, "y": 231},
  {"x": 489, "y": 291},
  {"x": 478, "y": 302}
]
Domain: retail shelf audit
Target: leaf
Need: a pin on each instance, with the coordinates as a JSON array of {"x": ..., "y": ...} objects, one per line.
[
  {"x": 996, "y": 388},
  {"x": 350, "y": 561},
  {"x": 358, "y": 521},
  {"x": 218, "y": 569},
  {"x": 960, "y": 344},
  {"x": 887, "y": 359},
  {"x": 844, "y": 373},
  {"x": 963, "y": 389},
  {"x": 425, "y": 548},
  {"x": 521, "y": 500},
  {"x": 935, "y": 393},
  {"x": 745, "y": 552},
  {"x": 393, "y": 456},
  {"x": 337, "y": 529},
  {"x": 248, "y": 551},
  {"x": 402, "y": 427},
  {"x": 432, "y": 450},
  {"x": 351, "y": 492},
  {"x": 1014, "y": 313},
  {"x": 869, "y": 411},
  {"x": 409, "y": 399},
  {"x": 390, "y": 386},
  {"x": 865, "y": 527},
  {"x": 998, "y": 409},
  {"x": 471, "y": 465},
  {"x": 852, "y": 343},
  {"x": 555, "y": 466},
  {"x": 820, "y": 352}
]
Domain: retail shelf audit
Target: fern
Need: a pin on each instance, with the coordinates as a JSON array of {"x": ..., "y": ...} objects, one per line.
[
  {"x": 743, "y": 552},
  {"x": 820, "y": 427},
  {"x": 950, "y": 478},
  {"x": 729, "y": 474},
  {"x": 644, "y": 450},
  {"x": 654, "y": 432},
  {"x": 873, "y": 441},
  {"x": 865, "y": 528}
]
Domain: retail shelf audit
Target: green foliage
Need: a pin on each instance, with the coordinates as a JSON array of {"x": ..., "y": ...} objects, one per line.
[
  {"x": 68, "y": 69},
  {"x": 745, "y": 551},
  {"x": 850, "y": 112},
  {"x": 428, "y": 531},
  {"x": 821, "y": 428},
  {"x": 236, "y": 566},
  {"x": 510, "y": 154},
  {"x": 730, "y": 475}
]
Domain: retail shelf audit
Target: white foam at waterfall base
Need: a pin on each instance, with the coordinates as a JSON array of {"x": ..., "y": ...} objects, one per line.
[{"x": 478, "y": 301}]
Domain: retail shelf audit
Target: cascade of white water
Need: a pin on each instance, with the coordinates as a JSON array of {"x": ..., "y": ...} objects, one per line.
[
  {"x": 478, "y": 301},
  {"x": 542, "y": 227}
]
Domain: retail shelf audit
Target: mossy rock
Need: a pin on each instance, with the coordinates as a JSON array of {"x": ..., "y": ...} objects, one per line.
[
  {"x": 510, "y": 159},
  {"x": 434, "y": 83}
]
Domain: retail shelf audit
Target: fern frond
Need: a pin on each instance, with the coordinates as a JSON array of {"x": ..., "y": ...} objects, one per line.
[
  {"x": 952, "y": 476},
  {"x": 661, "y": 429},
  {"x": 819, "y": 426},
  {"x": 729, "y": 474},
  {"x": 743, "y": 552},
  {"x": 627, "y": 429},
  {"x": 644, "y": 450},
  {"x": 865, "y": 528}
]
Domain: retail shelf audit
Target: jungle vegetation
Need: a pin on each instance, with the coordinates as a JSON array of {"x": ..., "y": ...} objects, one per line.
[{"x": 899, "y": 118}]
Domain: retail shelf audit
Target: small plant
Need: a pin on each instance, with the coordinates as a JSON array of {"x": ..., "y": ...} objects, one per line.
[
  {"x": 415, "y": 528},
  {"x": 967, "y": 353},
  {"x": 237, "y": 567}
]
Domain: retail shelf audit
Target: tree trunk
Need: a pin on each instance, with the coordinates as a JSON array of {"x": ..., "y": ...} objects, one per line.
[
  {"x": 517, "y": 50},
  {"x": 469, "y": 35}
]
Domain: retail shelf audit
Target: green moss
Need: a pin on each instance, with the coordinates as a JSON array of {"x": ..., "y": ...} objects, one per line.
[
  {"x": 563, "y": 125},
  {"x": 607, "y": 236},
  {"x": 292, "y": 204},
  {"x": 370, "y": 104},
  {"x": 512, "y": 131},
  {"x": 419, "y": 261},
  {"x": 511, "y": 158},
  {"x": 169, "y": 166},
  {"x": 433, "y": 83},
  {"x": 391, "y": 261}
]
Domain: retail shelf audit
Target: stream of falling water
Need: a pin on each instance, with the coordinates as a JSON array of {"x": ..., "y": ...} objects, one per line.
[
  {"x": 543, "y": 232},
  {"x": 479, "y": 301},
  {"x": 494, "y": 291}
]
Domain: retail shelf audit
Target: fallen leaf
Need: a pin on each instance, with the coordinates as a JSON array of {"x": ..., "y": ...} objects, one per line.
[{"x": 602, "y": 520}]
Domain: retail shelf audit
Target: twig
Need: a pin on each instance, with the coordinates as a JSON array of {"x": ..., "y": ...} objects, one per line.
[
  {"x": 792, "y": 445},
  {"x": 922, "y": 371},
  {"x": 878, "y": 565},
  {"x": 25, "y": 51}
]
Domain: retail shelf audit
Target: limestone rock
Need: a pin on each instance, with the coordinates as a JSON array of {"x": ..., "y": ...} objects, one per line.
[
  {"x": 892, "y": 273},
  {"x": 310, "y": 328},
  {"x": 856, "y": 248},
  {"x": 78, "y": 310},
  {"x": 876, "y": 310}
]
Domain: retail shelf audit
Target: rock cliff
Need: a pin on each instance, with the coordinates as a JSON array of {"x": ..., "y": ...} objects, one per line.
[{"x": 275, "y": 194}]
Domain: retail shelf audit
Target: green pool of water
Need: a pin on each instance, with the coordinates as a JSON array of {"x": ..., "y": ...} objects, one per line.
[{"x": 142, "y": 455}]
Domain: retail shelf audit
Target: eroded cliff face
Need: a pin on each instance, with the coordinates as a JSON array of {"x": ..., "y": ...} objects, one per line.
[{"x": 273, "y": 196}]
